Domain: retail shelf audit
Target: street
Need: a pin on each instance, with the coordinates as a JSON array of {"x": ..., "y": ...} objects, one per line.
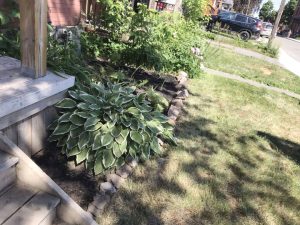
[{"x": 289, "y": 55}]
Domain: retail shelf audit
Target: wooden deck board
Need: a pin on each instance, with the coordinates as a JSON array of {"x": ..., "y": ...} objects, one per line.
[
  {"x": 35, "y": 211},
  {"x": 14, "y": 199},
  {"x": 18, "y": 91}
]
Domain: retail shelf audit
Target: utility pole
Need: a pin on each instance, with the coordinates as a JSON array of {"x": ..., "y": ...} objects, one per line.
[{"x": 277, "y": 21}]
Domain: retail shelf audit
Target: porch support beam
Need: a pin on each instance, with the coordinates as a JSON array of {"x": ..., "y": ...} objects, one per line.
[{"x": 33, "y": 26}]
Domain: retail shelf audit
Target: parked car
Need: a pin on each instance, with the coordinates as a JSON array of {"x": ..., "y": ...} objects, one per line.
[
  {"x": 246, "y": 26},
  {"x": 266, "y": 29}
]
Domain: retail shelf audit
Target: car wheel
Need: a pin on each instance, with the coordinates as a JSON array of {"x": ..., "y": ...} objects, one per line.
[{"x": 244, "y": 35}]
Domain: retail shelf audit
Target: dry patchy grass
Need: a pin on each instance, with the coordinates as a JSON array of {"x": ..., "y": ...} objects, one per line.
[{"x": 237, "y": 162}]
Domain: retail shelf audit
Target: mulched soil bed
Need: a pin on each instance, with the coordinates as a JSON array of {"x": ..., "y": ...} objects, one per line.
[{"x": 75, "y": 181}]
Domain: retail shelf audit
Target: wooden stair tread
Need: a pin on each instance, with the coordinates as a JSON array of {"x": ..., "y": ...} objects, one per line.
[
  {"x": 7, "y": 161},
  {"x": 13, "y": 199},
  {"x": 36, "y": 211}
]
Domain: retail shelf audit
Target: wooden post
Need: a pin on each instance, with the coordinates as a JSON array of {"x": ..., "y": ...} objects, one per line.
[{"x": 33, "y": 26}]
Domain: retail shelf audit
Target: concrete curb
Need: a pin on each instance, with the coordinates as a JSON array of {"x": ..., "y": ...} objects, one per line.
[{"x": 292, "y": 39}]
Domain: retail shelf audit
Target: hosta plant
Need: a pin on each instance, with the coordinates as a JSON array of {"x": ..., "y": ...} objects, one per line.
[{"x": 103, "y": 124}]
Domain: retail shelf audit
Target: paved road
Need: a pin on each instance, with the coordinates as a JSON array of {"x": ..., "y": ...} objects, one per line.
[
  {"x": 292, "y": 48},
  {"x": 289, "y": 54}
]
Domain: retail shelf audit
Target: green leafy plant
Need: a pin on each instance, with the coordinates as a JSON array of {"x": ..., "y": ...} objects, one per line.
[
  {"x": 159, "y": 102},
  {"x": 102, "y": 125}
]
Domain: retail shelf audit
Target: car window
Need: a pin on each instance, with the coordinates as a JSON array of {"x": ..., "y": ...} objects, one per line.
[
  {"x": 241, "y": 18},
  {"x": 250, "y": 20},
  {"x": 227, "y": 16}
]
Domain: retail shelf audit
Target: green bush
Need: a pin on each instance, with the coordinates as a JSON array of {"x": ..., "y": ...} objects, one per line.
[
  {"x": 195, "y": 10},
  {"x": 102, "y": 125},
  {"x": 161, "y": 41}
]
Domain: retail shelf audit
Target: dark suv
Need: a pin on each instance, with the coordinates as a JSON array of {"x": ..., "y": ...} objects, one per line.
[{"x": 246, "y": 26}]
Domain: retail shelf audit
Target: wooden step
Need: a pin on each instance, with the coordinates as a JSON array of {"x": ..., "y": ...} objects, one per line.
[
  {"x": 7, "y": 169},
  {"x": 39, "y": 210},
  {"x": 13, "y": 199}
]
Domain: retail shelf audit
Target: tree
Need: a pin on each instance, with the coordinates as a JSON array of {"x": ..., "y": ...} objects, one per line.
[
  {"x": 247, "y": 6},
  {"x": 267, "y": 12},
  {"x": 288, "y": 12},
  {"x": 194, "y": 9}
]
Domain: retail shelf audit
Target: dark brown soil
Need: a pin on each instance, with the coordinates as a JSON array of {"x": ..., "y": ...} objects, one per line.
[{"x": 75, "y": 181}]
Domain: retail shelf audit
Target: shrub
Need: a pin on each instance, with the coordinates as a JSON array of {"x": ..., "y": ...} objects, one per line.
[
  {"x": 161, "y": 41},
  {"x": 195, "y": 10},
  {"x": 102, "y": 125}
]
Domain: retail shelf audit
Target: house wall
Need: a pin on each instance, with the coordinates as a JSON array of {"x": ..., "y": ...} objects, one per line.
[
  {"x": 64, "y": 12},
  {"x": 295, "y": 26}
]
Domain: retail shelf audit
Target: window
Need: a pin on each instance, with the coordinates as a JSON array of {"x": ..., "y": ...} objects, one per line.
[
  {"x": 240, "y": 18},
  {"x": 250, "y": 20},
  {"x": 227, "y": 16}
]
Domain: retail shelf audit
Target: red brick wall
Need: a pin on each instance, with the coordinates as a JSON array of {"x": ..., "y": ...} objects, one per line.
[{"x": 64, "y": 12}]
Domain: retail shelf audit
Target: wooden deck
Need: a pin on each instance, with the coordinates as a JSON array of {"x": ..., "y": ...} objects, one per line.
[{"x": 26, "y": 104}]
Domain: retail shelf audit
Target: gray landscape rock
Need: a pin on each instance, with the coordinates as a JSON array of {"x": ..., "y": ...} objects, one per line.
[
  {"x": 115, "y": 179},
  {"x": 174, "y": 111},
  {"x": 101, "y": 200},
  {"x": 107, "y": 188},
  {"x": 177, "y": 102},
  {"x": 183, "y": 94}
]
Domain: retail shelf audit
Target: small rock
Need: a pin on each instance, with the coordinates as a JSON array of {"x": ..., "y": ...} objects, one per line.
[
  {"x": 182, "y": 94},
  {"x": 177, "y": 102},
  {"x": 107, "y": 188},
  {"x": 115, "y": 180},
  {"x": 173, "y": 111},
  {"x": 172, "y": 121},
  {"x": 94, "y": 210},
  {"x": 182, "y": 76},
  {"x": 183, "y": 81},
  {"x": 100, "y": 201},
  {"x": 124, "y": 171}
]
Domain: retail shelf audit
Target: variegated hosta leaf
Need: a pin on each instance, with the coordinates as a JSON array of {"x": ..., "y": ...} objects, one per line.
[
  {"x": 81, "y": 156},
  {"x": 108, "y": 158},
  {"x": 106, "y": 139},
  {"x": 62, "y": 128},
  {"x": 74, "y": 95},
  {"x": 91, "y": 122},
  {"x": 98, "y": 167},
  {"x": 64, "y": 118},
  {"x": 89, "y": 98},
  {"x": 66, "y": 103},
  {"x": 136, "y": 137},
  {"x": 77, "y": 120},
  {"x": 84, "y": 139}
]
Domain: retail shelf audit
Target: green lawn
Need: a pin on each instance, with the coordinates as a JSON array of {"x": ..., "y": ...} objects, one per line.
[
  {"x": 237, "y": 162},
  {"x": 250, "y": 44},
  {"x": 251, "y": 68}
]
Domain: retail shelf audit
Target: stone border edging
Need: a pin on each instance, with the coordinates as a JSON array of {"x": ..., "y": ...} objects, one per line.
[{"x": 116, "y": 179}]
